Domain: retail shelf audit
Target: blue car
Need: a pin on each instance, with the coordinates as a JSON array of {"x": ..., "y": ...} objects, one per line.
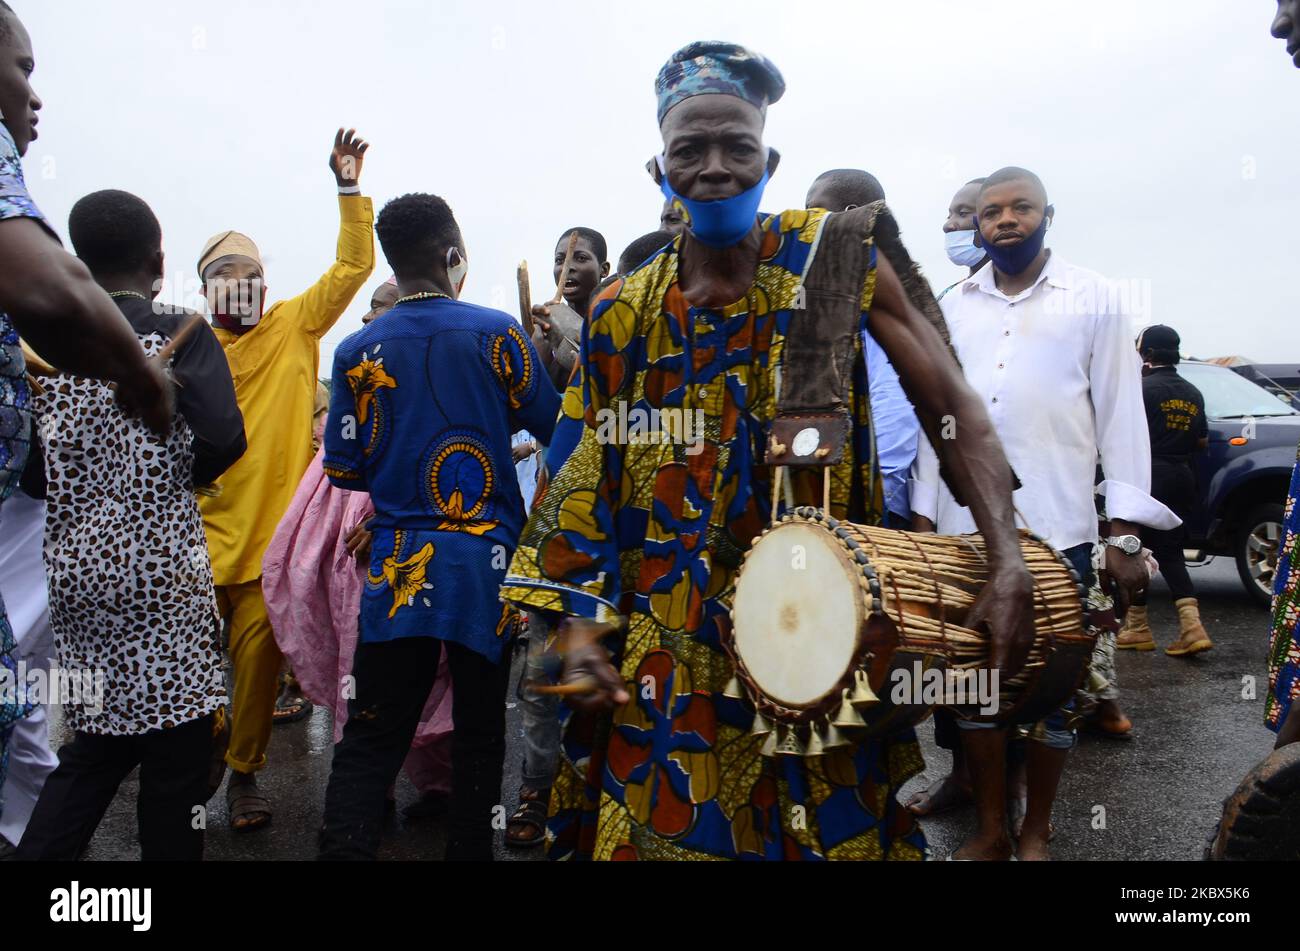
[{"x": 1244, "y": 475}]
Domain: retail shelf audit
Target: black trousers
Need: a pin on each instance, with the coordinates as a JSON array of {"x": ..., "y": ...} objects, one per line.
[
  {"x": 1174, "y": 484},
  {"x": 393, "y": 680},
  {"x": 173, "y": 784}
]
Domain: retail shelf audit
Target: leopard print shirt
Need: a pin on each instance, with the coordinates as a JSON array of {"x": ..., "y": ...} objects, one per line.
[{"x": 131, "y": 593}]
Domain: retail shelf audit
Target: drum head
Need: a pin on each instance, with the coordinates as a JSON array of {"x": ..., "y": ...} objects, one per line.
[{"x": 798, "y": 613}]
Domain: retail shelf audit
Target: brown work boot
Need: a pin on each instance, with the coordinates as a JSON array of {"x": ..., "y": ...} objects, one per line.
[
  {"x": 1193, "y": 638},
  {"x": 1136, "y": 634}
]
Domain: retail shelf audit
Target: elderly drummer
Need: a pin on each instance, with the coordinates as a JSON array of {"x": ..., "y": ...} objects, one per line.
[{"x": 650, "y": 533}]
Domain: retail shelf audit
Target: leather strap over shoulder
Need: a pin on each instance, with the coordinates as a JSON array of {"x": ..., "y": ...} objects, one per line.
[{"x": 812, "y": 423}]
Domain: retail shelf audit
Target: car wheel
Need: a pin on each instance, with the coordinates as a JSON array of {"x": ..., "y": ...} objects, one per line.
[{"x": 1256, "y": 548}]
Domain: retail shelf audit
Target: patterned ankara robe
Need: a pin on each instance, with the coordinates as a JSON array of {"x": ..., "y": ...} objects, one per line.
[
  {"x": 655, "y": 528},
  {"x": 1284, "y": 652}
]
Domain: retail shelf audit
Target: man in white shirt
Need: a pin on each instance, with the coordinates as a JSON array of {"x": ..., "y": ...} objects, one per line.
[{"x": 1048, "y": 346}]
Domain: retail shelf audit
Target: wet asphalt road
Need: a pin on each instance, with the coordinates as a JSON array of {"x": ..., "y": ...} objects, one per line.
[{"x": 1195, "y": 738}]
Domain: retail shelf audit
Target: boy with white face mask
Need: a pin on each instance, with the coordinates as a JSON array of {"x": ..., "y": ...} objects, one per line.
[{"x": 959, "y": 236}]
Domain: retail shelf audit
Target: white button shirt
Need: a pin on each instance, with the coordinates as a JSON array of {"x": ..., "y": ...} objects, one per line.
[{"x": 1061, "y": 380}]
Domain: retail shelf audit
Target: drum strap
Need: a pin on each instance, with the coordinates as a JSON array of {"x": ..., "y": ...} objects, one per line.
[{"x": 813, "y": 420}]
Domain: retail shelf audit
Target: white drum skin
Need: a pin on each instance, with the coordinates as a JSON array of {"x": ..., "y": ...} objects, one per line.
[{"x": 798, "y": 614}]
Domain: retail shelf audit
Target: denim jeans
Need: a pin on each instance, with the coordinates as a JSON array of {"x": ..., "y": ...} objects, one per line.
[{"x": 541, "y": 715}]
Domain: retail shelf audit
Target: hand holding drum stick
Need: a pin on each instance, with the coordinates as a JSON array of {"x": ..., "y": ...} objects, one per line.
[
  {"x": 526, "y": 309},
  {"x": 590, "y": 681}
]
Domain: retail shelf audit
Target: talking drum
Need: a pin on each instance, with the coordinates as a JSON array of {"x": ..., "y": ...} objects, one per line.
[{"x": 834, "y": 624}]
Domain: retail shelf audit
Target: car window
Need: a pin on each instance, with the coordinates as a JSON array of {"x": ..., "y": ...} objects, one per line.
[{"x": 1229, "y": 395}]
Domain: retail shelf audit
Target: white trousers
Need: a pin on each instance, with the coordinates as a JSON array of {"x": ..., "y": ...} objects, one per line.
[{"x": 22, "y": 584}]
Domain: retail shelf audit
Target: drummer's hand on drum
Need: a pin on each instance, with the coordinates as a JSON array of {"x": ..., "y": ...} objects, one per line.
[
  {"x": 587, "y": 662},
  {"x": 1005, "y": 608}
]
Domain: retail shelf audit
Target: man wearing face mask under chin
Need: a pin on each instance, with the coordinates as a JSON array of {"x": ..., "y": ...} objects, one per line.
[
  {"x": 274, "y": 359},
  {"x": 1050, "y": 353},
  {"x": 655, "y": 533}
]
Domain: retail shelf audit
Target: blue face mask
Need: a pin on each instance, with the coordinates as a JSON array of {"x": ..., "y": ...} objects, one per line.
[
  {"x": 1015, "y": 259},
  {"x": 961, "y": 248},
  {"x": 718, "y": 224}
]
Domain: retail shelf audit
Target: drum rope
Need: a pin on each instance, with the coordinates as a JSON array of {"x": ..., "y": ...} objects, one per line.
[
  {"x": 778, "y": 478},
  {"x": 934, "y": 582}
]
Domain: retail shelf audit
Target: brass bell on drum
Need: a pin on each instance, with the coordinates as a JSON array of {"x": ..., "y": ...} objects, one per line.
[
  {"x": 862, "y": 694},
  {"x": 788, "y": 742},
  {"x": 733, "y": 690},
  {"x": 847, "y": 716},
  {"x": 815, "y": 745},
  {"x": 833, "y": 739}
]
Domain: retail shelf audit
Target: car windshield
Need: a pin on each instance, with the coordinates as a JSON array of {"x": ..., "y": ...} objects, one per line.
[{"x": 1229, "y": 395}]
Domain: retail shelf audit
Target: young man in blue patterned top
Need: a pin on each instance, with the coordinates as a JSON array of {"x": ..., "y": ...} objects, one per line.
[{"x": 424, "y": 405}]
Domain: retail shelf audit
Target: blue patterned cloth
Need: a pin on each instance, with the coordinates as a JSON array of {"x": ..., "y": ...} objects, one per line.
[
  {"x": 424, "y": 403},
  {"x": 720, "y": 68},
  {"x": 15, "y": 433},
  {"x": 15, "y": 400},
  {"x": 1284, "y": 652}
]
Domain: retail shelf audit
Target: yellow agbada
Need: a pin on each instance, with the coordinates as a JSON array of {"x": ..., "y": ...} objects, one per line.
[{"x": 275, "y": 367}]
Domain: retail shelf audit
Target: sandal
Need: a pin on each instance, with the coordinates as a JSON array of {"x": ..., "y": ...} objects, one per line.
[
  {"x": 290, "y": 706},
  {"x": 526, "y": 829},
  {"x": 247, "y": 804},
  {"x": 220, "y": 744}
]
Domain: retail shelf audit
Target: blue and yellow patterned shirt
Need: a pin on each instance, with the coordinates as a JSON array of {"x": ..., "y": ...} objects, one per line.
[
  {"x": 15, "y": 400},
  {"x": 425, "y": 401},
  {"x": 15, "y": 405}
]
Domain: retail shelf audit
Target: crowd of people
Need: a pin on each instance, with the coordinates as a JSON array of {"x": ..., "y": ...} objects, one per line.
[{"x": 181, "y": 490}]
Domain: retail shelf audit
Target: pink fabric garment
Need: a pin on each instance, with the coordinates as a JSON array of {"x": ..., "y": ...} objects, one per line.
[{"x": 313, "y": 588}]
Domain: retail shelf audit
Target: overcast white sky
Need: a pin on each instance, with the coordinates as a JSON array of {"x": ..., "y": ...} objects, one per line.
[{"x": 1168, "y": 133}]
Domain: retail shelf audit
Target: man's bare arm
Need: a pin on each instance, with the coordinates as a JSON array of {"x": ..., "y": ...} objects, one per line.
[
  {"x": 972, "y": 457},
  {"x": 70, "y": 321}
]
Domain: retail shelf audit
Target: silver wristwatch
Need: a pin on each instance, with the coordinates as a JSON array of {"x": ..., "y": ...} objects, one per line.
[{"x": 1128, "y": 544}]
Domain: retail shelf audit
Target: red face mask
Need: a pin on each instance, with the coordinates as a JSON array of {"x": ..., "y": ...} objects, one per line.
[{"x": 237, "y": 324}]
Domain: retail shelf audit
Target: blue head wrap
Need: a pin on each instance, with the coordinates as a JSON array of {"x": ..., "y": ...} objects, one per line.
[{"x": 726, "y": 69}]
